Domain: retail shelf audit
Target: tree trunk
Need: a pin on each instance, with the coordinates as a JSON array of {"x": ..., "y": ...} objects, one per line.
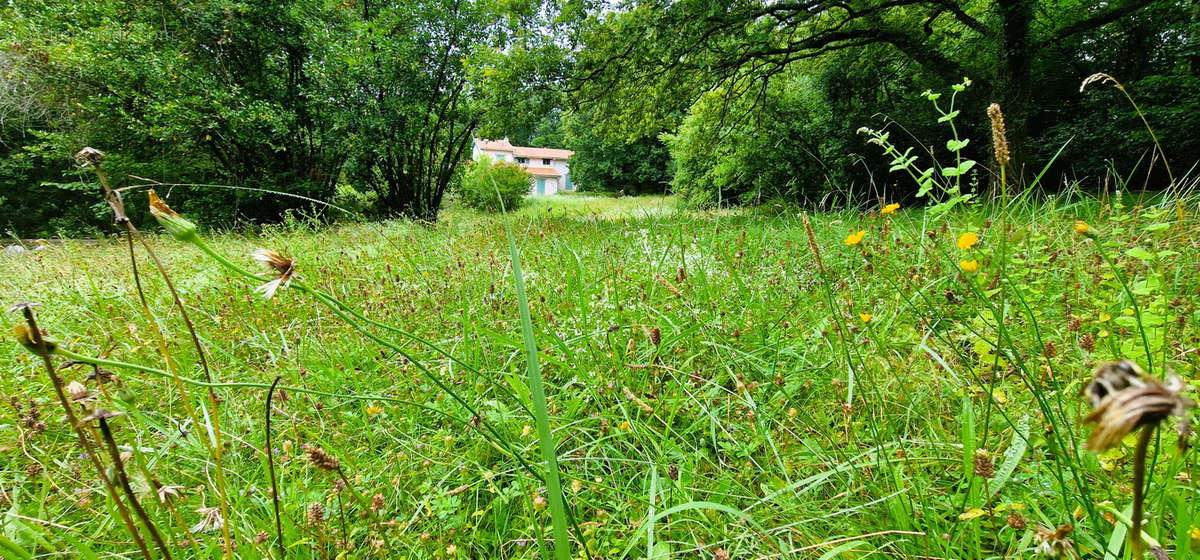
[{"x": 1014, "y": 80}]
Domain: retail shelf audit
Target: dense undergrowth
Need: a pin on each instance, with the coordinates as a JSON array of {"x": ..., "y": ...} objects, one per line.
[{"x": 714, "y": 389}]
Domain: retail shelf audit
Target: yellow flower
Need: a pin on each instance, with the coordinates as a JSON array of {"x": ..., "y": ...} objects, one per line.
[
  {"x": 1081, "y": 227},
  {"x": 967, "y": 240},
  {"x": 969, "y": 266},
  {"x": 855, "y": 238},
  {"x": 866, "y": 317},
  {"x": 890, "y": 209},
  {"x": 374, "y": 409}
]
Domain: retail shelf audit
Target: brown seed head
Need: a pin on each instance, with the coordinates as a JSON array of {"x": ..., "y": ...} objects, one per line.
[
  {"x": 321, "y": 458},
  {"x": 1016, "y": 520},
  {"x": 983, "y": 464},
  {"x": 999, "y": 138},
  {"x": 1087, "y": 342},
  {"x": 316, "y": 513}
]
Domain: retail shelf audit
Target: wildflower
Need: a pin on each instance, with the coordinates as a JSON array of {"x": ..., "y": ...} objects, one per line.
[
  {"x": 854, "y": 238},
  {"x": 866, "y": 317},
  {"x": 890, "y": 209},
  {"x": 282, "y": 267},
  {"x": 1054, "y": 543},
  {"x": 1082, "y": 228},
  {"x": 210, "y": 520},
  {"x": 969, "y": 266},
  {"x": 451, "y": 550},
  {"x": 967, "y": 240},
  {"x": 540, "y": 503},
  {"x": 374, "y": 409},
  {"x": 170, "y": 220},
  {"x": 25, "y": 337},
  {"x": 1125, "y": 399}
]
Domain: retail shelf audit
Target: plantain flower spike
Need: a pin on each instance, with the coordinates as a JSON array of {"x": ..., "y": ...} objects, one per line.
[
  {"x": 170, "y": 220},
  {"x": 1124, "y": 399}
]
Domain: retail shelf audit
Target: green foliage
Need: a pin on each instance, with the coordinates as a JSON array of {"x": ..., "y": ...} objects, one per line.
[
  {"x": 945, "y": 183},
  {"x": 607, "y": 164},
  {"x": 486, "y": 184},
  {"x": 718, "y": 410},
  {"x": 778, "y": 148}
]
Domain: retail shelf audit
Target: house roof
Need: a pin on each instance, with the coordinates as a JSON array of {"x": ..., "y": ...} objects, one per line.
[
  {"x": 543, "y": 171},
  {"x": 495, "y": 145},
  {"x": 544, "y": 153},
  {"x": 522, "y": 151}
]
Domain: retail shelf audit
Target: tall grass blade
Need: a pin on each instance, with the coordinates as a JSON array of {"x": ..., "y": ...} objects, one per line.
[{"x": 558, "y": 512}]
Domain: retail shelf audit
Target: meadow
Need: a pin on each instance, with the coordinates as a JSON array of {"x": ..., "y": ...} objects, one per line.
[{"x": 719, "y": 384}]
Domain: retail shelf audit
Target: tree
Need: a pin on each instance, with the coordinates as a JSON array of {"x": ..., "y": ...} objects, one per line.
[
  {"x": 602, "y": 163},
  {"x": 651, "y": 58}
]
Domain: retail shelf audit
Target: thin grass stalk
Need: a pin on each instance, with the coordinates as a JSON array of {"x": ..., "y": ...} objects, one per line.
[
  {"x": 271, "y": 469},
  {"x": 43, "y": 350},
  {"x": 123, "y": 481},
  {"x": 214, "y": 447},
  {"x": 1139, "y": 490}
]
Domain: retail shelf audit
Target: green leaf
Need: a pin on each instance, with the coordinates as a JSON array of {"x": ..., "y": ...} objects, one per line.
[
  {"x": 1157, "y": 227},
  {"x": 1140, "y": 253},
  {"x": 948, "y": 116},
  {"x": 957, "y": 145}
]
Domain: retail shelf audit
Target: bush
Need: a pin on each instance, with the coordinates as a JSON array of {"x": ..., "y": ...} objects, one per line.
[{"x": 484, "y": 177}]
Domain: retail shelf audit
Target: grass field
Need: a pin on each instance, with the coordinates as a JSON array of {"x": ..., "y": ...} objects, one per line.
[{"x": 714, "y": 390}]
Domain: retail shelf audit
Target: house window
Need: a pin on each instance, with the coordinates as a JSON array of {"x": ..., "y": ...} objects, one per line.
[
  {"x": 545, "y": 162},
  {"x": 522, "y": 160}
]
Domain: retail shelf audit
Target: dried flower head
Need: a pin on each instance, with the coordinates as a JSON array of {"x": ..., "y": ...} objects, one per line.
[
  {"x": 316, "y": 513},
  {"x": 78, "y": 392},
  {"x": 281, "y": 267},
  {"x": 999, "y": 138},
  {"x": 1125, "y": 398},
  {"x": 1054, "y": 543},
  {"x": 170, "y": 220},
  {"x": 321, "y": 458},
  {"x": 1098, "y": 77},
  {"x": 99, "y": 414},
  {"x": 210, "y": 520},
  {"x": 89, "y": 156}
]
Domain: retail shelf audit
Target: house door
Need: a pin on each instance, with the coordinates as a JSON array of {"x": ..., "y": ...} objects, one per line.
[
  {"x": 567, "y": 183},
  {"x": 541, "y": 189}
]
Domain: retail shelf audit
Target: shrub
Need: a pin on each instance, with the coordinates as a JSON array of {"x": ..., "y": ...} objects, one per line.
[{"x": 484, "y": 177}]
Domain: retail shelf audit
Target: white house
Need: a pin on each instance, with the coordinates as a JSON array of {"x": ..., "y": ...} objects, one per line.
[{"x": 548, "y": 166}]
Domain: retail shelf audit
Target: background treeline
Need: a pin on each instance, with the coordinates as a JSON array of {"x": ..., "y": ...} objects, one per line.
[
  {"x": 356, "y": 101},
  {"x": 372, "y": 104},
  {"x": 760, "y": 101}
]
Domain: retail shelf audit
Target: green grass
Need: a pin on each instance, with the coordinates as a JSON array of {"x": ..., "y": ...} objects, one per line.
[{"x": 753, "y": 426}]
